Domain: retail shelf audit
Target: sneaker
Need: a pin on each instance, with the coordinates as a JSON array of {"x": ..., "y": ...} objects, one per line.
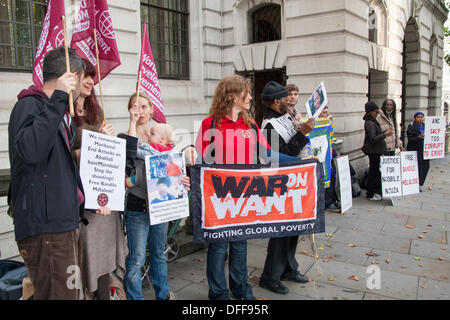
[
  {"x": 376, "y": 197},
  {"x": 171, "y": 296},
  {"x": 333, "y": 207}
]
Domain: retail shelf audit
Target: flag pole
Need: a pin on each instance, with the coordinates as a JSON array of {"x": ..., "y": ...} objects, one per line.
[
  {"x": 66, "y": 48},
  {"x": 99, "y": 76},
  {"x": 138, "y": 86}
]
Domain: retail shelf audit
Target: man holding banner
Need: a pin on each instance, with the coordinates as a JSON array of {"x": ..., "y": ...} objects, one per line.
[{"x": 279, "y": 130}]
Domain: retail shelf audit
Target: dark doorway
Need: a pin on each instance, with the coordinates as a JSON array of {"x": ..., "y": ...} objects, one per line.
[{"x": 258, "y": 80}]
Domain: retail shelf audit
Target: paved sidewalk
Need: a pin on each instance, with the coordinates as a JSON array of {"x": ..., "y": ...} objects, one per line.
[{"x": 408, "y": 242}]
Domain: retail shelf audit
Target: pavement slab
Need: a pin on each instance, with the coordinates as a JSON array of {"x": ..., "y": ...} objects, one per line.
[
  {"x": 430, "y": 250},
  {"x": 433, "y": 290},
  {"x": 414, "y": 233}
]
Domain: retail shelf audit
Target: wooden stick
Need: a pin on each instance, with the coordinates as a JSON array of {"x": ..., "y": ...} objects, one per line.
[
  {"x": 138, "y": 86},
  {"x": 99, "y": 76},
  {"x": 66, "y": 48}
]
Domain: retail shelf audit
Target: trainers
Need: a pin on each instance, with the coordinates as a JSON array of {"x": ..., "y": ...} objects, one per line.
[
  {"x": 171, "y": 296},
  {"x": 376, "y": 197}
]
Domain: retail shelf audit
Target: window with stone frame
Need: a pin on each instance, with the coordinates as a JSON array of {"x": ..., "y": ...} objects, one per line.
[
  {"x": 377, "y": 22},
  {"x": 168, "y": 30},
  {"x": 266, "y": 23},
  {"x": 20, "y": 29}
]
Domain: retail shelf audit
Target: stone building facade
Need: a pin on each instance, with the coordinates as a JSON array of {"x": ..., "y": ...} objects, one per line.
[{"x": 361, "y": 49}]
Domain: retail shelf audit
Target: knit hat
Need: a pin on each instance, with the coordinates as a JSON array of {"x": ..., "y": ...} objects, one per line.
[
  {"x": 273, "y": 90},
  {"x": 371, "y": 106},
  {"x": 418, "y": 114}
]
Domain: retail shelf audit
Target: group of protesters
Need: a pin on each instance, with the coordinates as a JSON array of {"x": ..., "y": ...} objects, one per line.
[{"x": 58, "y": 238}]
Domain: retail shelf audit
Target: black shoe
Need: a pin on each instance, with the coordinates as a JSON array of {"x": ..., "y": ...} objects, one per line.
[
  {"x": 299, "y": 278},
  {"x": 277, "y": 288},
  {"x": 333, "y": 207}
]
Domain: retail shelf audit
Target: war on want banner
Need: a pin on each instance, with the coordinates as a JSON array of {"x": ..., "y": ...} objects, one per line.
[{"x": 239, "y": 202}]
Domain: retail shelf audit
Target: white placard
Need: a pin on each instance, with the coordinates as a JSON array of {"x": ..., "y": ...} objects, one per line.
[
  {"x": 317, "y": 102},
  {"x": 434, "y": 144},
  {"x": 102, "y": 170},
  {"x": 345, "y": 183},
  {"x": 391, "y": 176},
  {"x": 167, "y": 196},
  {"x": 410, "y": 173}
]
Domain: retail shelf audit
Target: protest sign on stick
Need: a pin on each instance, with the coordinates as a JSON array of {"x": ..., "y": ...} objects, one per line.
[
  {"x": 102, "y": 170},
  {"x": 345, "y": 183},
  {"x": 434, "y": 144}
]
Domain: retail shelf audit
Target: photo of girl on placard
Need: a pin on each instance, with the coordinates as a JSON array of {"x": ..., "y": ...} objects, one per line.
[{"x": 317, "y": 102}]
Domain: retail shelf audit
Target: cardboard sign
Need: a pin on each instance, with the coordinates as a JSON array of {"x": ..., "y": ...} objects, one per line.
[
  {"x": 391, "y": 177},
  {"x": 410, "y": 173},
  {"x": 102, "y": 170},
  {"x": 167, "y": 196},
  {"x": 434, "y": 144},
  {"x": 235, "y": 202},
  {"x": 345, "y": 183}
]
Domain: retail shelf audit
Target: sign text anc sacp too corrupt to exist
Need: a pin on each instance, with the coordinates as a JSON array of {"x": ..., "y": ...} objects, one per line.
[
  {"x": 434, "y": 144},
  {"x": 102, "y": 170}
]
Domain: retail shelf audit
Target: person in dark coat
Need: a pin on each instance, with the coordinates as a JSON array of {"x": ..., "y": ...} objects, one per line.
[
  {"x": 416, "y": 135},
  {"x": 280, "y": 262},
  {"x": 374, "y": 146},
  {"x": 46, "y": 192}
]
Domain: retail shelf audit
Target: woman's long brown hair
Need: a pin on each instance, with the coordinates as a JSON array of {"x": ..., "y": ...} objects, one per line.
[{"x": 227, "y": 90}]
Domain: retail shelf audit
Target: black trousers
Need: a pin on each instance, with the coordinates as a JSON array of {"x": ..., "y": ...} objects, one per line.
[
  {"x": 424, "y": 167},
  {"x": 280, "y": 260},
  {"x": 374, "y": 178}
]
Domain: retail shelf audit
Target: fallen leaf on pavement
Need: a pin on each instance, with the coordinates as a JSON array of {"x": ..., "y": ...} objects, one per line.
[
  {"x": 328, "y": 245},
  {"x": 430, "y": 225},
  {"x": 370, "y": 254},
  {"x": 375, "y": 262},
  {"x": 354, "y": 278},
  {"x": 444, "y": 277},
  {"x": 425, "y": 231},
  {"x": 420, "y": 237},
  {"x": 430, "y": 188},
  {"x": 443, "y": 249},
  {"x": 388, "y": 260},
  {"x": 404, "y": 267},
  {"x": 331, "y": 278},
  {"x": 315, "y": 256},
  {"x": 352, "y": 245},
  {"x": 326, "y": 260},
  {"x": 201, "y": 260},
  {"x": 410, "y": 226},
  {"x": 421, "y": 265},
  {"x": 417, "y": 259},
  {"x": 331, "y": 257},
  {"x": 440, "y": 258},
  {"x": 320, "y": 247},
  {"x": 304, "y": 252},
  {"x": 423, "y": 286}
]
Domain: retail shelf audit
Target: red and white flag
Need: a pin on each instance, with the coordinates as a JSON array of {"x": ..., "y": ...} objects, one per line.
[
  {"x": 84, "y": 21},
  {"x": 149, "y": 83},
  {"x": 106, "y": 39},
  {"x": 52, "y": 36}
]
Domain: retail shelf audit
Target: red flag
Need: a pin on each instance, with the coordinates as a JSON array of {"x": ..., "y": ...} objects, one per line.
[
  {"x": 85, "y": 21},
  {"x": 52, "y": 36},
  {"x": 149, "y": 80},
  {"x": 106, "y": 39}
]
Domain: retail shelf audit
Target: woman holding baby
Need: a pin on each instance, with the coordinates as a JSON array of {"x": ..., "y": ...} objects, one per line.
[{"x": 144, "y": 140}]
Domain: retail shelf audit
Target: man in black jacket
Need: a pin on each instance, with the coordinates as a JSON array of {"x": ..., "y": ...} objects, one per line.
[
  {"x": 283, "y": 138},
  {"x": 46, "y": 192}
]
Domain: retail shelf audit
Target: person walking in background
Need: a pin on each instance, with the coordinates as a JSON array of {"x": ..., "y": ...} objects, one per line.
[
  {"x": 374, "y": 146},
  {"x": 416, "y": 136},
  {"x": 387, "y": 119},
  {"x": 103, "y": 242}
]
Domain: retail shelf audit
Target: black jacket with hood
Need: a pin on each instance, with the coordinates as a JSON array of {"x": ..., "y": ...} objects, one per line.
[
  {"x": 374, "y": 143},
  {"x": 43, "y": 192}
]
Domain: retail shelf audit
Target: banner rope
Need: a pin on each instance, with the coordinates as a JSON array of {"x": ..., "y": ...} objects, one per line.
[{"x": 316, "y": 263}]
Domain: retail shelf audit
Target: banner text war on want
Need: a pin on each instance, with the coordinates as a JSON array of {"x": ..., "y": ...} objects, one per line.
[{"x": 238, "y": 202}]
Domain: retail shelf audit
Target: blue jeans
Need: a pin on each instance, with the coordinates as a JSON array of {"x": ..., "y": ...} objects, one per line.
[
  {"x": 237, "y": 264},
  {"x": 139, "y": 235}
]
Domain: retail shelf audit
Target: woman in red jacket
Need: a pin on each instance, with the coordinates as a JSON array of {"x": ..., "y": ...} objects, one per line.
[{"x": 229, "y": 136}]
